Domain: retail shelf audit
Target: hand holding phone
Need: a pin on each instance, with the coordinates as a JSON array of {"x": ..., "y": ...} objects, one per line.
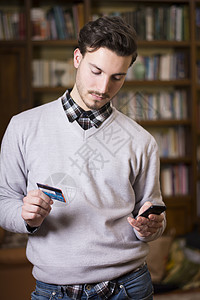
[{"x": 153, "y": 209}]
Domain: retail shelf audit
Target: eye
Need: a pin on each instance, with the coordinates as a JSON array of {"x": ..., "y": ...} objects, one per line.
[
  {"x": 96, "y": 72},
  {"x": 117, "y": 77}
]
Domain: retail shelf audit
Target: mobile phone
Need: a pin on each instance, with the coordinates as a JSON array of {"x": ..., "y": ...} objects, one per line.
[{"x": 153, "y": 209}]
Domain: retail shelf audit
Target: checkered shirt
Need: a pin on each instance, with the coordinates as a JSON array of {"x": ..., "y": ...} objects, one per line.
[
  {"x": 104, "y": 290},
  {"x": 86, "y": 119}
]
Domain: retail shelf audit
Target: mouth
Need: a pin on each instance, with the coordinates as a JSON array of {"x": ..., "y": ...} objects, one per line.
[{"x": 97, "y": 96}]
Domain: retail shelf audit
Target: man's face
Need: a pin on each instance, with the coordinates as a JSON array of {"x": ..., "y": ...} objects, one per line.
[{"x": 100, "y": 75}]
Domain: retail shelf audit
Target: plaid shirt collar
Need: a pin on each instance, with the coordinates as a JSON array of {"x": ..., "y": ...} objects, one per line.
[{"x": 86, "y": 119}]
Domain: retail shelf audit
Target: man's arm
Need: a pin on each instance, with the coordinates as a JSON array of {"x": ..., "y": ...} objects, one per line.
[
  {"x": 147, "y": 191},
  {"x": 16, "y": 206}
]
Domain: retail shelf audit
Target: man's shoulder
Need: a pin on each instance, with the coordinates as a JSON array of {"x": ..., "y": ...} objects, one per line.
[
  {"x": 36, "y": 112},
  {"x": 134, "y": 129},
  {"x": 131, "y": 124},
  {"x": 29, "y": 120}
]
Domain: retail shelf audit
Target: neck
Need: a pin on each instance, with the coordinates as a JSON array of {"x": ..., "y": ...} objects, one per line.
[{"x": 76, "y": 97}]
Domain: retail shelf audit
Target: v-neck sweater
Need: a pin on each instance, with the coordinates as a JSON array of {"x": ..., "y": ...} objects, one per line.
[{"x": 106, "y": 175}]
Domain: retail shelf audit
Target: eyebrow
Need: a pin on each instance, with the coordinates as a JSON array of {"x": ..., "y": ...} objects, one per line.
[{"x": 116, "y": 74}]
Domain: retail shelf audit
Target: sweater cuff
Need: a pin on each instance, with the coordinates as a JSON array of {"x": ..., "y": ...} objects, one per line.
[{"x": 31, "y": 229}]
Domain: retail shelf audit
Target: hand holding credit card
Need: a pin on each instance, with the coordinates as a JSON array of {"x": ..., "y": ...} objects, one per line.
[{"x": 52, "y": 192}]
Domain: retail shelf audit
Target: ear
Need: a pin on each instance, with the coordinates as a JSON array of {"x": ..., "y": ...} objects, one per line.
[{"x": 77, "y": 57}]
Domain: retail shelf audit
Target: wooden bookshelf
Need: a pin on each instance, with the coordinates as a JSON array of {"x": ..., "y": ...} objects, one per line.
[{"x": 24, "y": 95}]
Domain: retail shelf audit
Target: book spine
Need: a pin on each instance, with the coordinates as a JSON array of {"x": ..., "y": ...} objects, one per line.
[{"x": 174, "y": 180}]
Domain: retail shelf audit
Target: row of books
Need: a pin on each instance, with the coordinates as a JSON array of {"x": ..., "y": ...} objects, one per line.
[
  {"x": 169, "y": 66},
  {"x": 145, "y": 105},
  {"x": 151, "y": 23},
  {"x": 198, "y": 158},
  {"x": 170, "y": 140},
  {"x": 198, "y": 199},
  {"x": 57, "y": 22},
  {"x": 198, "y": 23},
  {"x": 175, "y": 180},
  {"x": 12, "y": 25},
  {"x": 163, "y": 22},
  {"x": 198, "y": 71},
  {"x": 198, "y": 166},
  {"x": 198, "y": 116},
  {"x": 52, "y": 73}
]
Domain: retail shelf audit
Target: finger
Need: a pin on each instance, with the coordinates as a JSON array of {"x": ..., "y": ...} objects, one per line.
[
  {"x": 34, "y": 215},
  {"x": 156, "y": 218},
  {"x": 142, "y": 225},
  {"x": 145, "y": 206},
  {"x": 155, "y": 225},
  {"x": 136, "y": 224},
  {"x": 42, "y": 210},
  {"x": 32, "y": 219},
  {"x": 132, "y": 221},
  {"x": 39, "y": 194},
  {"x": 146, "y": 231},
  {"x": 140, "y": 221},
  {"x": 36, "y": 201}
]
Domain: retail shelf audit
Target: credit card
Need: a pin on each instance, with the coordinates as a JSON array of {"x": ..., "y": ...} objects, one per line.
[{"x": 52, "y": 192}]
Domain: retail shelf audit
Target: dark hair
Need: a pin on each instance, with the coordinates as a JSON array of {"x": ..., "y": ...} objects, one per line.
[{"x": 109, "y": 32}]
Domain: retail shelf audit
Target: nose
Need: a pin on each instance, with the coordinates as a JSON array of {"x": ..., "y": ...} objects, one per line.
[{"x": 103, "y": 84}]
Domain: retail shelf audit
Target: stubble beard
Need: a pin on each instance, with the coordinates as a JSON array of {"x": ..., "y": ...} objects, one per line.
[{"x": 95, "y": 104}]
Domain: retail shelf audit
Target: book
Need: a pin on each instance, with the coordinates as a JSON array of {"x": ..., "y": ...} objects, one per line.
[
  {"x": 149, "y": 23},
  {"x": 69, "y": 24},
  {"x": 165, "y": 64},
  {"x": 60, "y": 22},
  {"x": 174, "y": 180},
  {"x": 39, "y": 24},
  {"x": 198, "y": 23}
]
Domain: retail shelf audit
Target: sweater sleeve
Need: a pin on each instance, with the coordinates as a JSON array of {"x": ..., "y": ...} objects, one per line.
[
  {"x": 147, "y": 185},
  {"x": 13, "y": 179}
]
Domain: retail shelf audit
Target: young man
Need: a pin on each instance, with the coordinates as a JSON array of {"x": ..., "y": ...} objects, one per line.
[{"x": 107, "y": 166}]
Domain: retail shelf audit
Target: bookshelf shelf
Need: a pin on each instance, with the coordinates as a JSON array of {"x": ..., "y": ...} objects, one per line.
[
  {"x": 164, "y": 43},
  {"x": 168, "y": 44},
  {"x": 176, "y": 160},
  {"x": 158, "y": 83},
  {"x": 41, "y": 90},
  {"x": 55, "y": 43},
  {"x": 149, "y": 1},
  {"x": 160, "y": 123},
  {"x": 126, "y": 84},
  {"x": 181, "y": 199},
  {"x": 12, "y": 43}
]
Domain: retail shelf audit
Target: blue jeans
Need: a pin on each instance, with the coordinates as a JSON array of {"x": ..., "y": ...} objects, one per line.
[{"x": 136, "y": 285}]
